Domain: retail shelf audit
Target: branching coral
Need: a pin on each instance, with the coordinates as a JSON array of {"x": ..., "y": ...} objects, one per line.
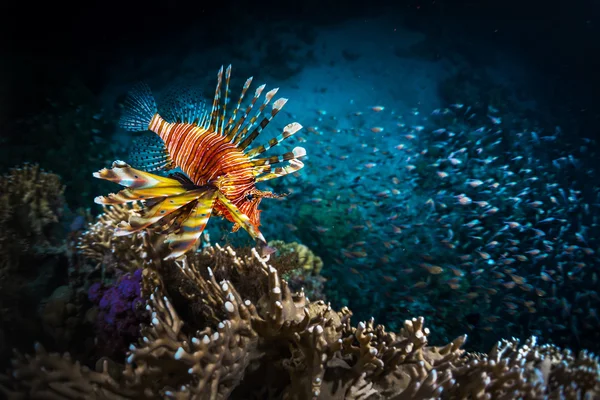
[
  {"x": 31, "y": 247},
  {"x": 108, "y": 252},
  {"x": 208, "y": 338},
  {"x": 31, "y": 203}
]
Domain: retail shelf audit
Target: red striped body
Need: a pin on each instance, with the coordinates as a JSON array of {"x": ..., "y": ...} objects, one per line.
[{"x": 208, "y": 158}]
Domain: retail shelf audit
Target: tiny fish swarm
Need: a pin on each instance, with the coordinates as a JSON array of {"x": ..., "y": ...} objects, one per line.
[{"x": 219, "y": 171}]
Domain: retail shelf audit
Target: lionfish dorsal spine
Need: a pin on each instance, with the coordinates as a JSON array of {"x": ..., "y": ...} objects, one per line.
[
  {"x": 214, "y": 114},
  {"x": 288, "y": 131},
  {"x": 232, "y": 120},
  {"x": 293, "y": 166},
  {"x": 221, "y": 125},
  {"x": 298, "y": 152},
  {"x": 277, "y": 106},
  {"x": 234, "y": 130}
]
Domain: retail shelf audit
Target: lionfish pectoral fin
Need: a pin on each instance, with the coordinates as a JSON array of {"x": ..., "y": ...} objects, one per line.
[
  {"x": 190, "y": 230},
  {"x": 166, "y": 202},
  {"x": 140, "y": 185},
  {"x": 124, "y": 229},
  {"x": 240, "y": 218},
  {"x": 163, "y": 208}
]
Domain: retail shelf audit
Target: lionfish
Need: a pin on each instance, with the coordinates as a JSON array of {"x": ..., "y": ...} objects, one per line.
[{"x": 217, "y": 170}]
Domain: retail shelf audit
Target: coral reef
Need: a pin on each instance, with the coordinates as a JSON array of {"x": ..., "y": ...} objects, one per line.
[
  {"x": 226, "y": 323},
  {"x": 117, "y": 313},
  {"x": 32, "y": 247},
  {"x": 108, "y": 253},
  {"x": 32, "y": 203},
  {"x": 307, "y": 274},
  {"x": 235, "y": 330}
]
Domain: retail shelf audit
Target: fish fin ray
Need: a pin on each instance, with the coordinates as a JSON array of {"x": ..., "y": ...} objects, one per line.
[
  {"x": 139, "y": 108},
  {"x": 296, "y": 153},
  {"x": 125, "y": 175},
  {"x": 184, "y": 105},
  {"x": 154, "y": 216},
  {"x": 288, "y": 132},
  {"x": 243, "y": 135},
  {"x": 216, "y": 105},
  {"x": 232, "y": 119},
  {"x": 149, "y": 153},
  {"x": 188, "y": 232},
  {"x": 221, "y": 122},
  {"x": 293, "y": 166},
  {"x": 240, "y": 218},
  {"x": 235, "y": 128}
]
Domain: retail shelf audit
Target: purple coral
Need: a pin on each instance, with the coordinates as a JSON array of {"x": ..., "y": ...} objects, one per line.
[{"x": 119, "y": 312}]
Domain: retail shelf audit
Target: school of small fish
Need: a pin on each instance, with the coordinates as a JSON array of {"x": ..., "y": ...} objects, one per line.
[{"x": 485, "y": 223}]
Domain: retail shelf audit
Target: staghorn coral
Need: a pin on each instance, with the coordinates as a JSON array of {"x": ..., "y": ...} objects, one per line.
[{"x": 209, "y": 339}]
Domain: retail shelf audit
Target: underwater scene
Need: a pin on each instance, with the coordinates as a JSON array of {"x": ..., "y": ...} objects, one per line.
[{"x": 301, "y": 200}]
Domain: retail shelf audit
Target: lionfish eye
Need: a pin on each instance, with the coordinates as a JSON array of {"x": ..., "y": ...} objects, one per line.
[{"x": 249, "y": 196}]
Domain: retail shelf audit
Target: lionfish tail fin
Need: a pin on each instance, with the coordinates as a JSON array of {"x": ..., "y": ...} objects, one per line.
[{"x": 138, "y": 109}]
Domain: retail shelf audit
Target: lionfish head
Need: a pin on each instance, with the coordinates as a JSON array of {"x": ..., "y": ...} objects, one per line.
[{"x": 252, "y": 199}]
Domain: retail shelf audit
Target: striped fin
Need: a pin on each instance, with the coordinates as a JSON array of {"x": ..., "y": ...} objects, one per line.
[
  {"x": 237, "y": 107},
  {"x": 234, "y": 130},
  {"x": 160, "y": 209},
  {"x": 131, "y": 195},
  {"x": 288, "y": 131},
  {"x": 149, "y": 153},
  {"x": 139, "y": 108},
  {"x": 123, "y": 174},
  {"x": 292, "y": 155},
  {"x": 186, "y": 237},
  {"x": 173, "y": 221},
  {"x": 294, "y": 165},
  {"x": 221, "y": 124},
  {"x": 244, "y": 132},
  {"x": 240, "y": 218},
  {"x": 214, "y": 114},
  {"x": 184, "y": 105},
  {"x": 142, "y": 186}
]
